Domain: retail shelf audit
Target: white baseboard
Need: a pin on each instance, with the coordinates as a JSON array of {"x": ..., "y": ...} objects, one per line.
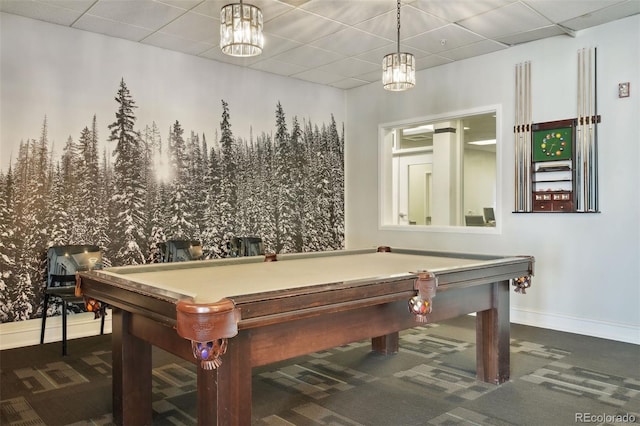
[
  {"x": 587, "y": 327},
  {"x": 27, "y": 333}
]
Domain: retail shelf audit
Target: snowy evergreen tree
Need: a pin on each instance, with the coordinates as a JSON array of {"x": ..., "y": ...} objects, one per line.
[
  {"x": 27, "y": 294},
  {"x": 128, "y": 224},
  {"x": 250, "y": 201},
  {"x": 228, "y": 164},
  {"x": 196, "y": 183},
  {"x": 298, "y": 175},
  {"x": 284, "y": 181},
  {"x": 336, "y": 174},
  {"x": 180, "y": 210},
  {"x": 7, "y": 244},
  {"x": 154, "y": 208},
  {"x": 317, "y": 190},
  {"x": 87, "y": 175},
  {"x": 85, "y": 201},
  {"x": 211, "y": 236},
  {"x": 57, "y": 211},
  {"x": 267, "y": 193},
  {"x": 105, "y": 190}
]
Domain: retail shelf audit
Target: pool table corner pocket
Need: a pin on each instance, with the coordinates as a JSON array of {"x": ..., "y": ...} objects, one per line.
[{"x": 207, "y": 326}]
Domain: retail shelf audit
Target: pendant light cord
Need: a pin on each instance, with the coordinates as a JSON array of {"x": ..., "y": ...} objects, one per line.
[{"x": 398, "y": 27}]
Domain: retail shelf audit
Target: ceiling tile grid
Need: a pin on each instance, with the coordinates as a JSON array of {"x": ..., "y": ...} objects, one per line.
[{"x": 334, "y": 42}]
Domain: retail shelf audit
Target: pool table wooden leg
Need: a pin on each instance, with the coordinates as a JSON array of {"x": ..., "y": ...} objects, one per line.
[
  {"x": 492, "y": 337},
  {"x": 131, "y": 373},
  {"x": 224, "y": 394},
  {"x": 387, "y": 345}
]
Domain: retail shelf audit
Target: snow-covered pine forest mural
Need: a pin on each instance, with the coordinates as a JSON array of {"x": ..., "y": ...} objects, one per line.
[{"x": 285, "y": 185}]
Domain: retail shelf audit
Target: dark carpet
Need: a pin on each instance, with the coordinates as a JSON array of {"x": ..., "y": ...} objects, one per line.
[{"x": 556, "y": 379}]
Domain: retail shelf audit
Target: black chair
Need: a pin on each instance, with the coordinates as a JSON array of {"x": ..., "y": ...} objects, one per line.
[
  {"x": 489, "y": 215},
  {"x": 246, "y": 246},
  {"x": 180, "y": 250},
  {"x": 62, "y": 264},
  {"x": 474, "y": 220}
]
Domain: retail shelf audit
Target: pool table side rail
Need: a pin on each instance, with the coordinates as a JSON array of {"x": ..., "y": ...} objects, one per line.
[
  {"x": 257, "y": 309},
  {"x": 207, "y": 263},
  {"x": 134, "y": 269},
  {"x": 138, "y": 299},
  {"x": 276, "y": 303}
]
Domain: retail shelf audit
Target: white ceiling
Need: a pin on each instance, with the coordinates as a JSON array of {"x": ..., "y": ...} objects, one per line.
[{"x": 339, "y": 43}]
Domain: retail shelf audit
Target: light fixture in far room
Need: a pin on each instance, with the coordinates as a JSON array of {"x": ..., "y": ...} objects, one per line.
[
  {"x": 484, "y": 142},
  {"x": 399, "y": 68},
  {"x": 241, "y": 30}
]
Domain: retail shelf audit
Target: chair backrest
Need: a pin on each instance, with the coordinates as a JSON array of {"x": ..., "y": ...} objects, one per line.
[
  {"x": 64, "y": 261},
  {"x": 489, "y": 215},
  {"x": 180, "y": 250},
  {"x": 246, "y": 246},
  {"x": 474, "y": 220}
]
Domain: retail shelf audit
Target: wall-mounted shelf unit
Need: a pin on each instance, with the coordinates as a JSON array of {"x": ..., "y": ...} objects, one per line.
[{"x": 553, "y": 166}]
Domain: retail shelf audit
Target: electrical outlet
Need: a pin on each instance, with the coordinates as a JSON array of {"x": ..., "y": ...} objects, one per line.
[{"x": 623, "y": 90}]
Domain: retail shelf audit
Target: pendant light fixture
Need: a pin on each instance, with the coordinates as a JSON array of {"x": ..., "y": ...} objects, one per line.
[
  {"x": 398, "y": 68},
  {"x": 241, "y": 30}
]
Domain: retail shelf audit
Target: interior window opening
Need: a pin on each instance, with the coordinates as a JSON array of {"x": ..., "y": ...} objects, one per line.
[{"x": 440, "y": 172}]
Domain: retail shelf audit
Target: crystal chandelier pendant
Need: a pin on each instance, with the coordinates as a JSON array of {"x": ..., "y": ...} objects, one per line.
[
  {"x": 398, "y": 68},
  {"x": 398, "y": 71},
  {"x": 241, "y": 30}
]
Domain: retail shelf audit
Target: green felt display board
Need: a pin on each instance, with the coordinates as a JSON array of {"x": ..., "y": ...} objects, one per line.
[{"x": 552, "y": 144}]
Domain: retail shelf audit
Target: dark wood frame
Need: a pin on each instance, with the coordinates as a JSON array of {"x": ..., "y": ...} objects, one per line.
[
  {"x": 281, "y": 325},
  {"x": 554, "y": 201}
]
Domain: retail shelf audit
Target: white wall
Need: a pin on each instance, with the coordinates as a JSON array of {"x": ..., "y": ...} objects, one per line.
[
  {"x": 479, "y": 178},
  {"x": 587, "y": 265}
]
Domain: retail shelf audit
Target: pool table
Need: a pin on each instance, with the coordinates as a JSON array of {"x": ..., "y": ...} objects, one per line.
[{"x": 230, "y": 315}]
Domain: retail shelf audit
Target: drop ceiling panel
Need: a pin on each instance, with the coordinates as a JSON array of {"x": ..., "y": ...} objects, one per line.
[
  {"x": 301, "y": 26},
  {"x": 308, "y": 56},
  {"x": 349, "y": 12},
  {"x": 270, "y": 8},
  {"x": 349, "y": 83},
  {"x": 471, "y": 50},
  {"x": 510, "y": 19},
  {"x": 558, "y": 11},
  {"x": 537, "y": 34},
  {"x": 412, "y": 22},
  {"x": 336, "y": 42},
  {"x": 182, "y": 4},
  {"x": 315, "y": 75},
  {"x": 431, "y": 61},
  {"x": 171, "y": 42},
  {"x": 140, "y": 13},
  {"x": 444, "y": 38},
  {"x": 350, "y": 41},
  {"x": 457, "y": 10},
  {"x": 375, "y": 56},
  {"x": 77, "y": 5},
  {"x": 111, "y": 28},
  {"x": 350, "y": 67},
  {"x": 49, "y": 12},
  {"x": 611, "y": 13},
  {"x": 277, "y": 67},
  {"x": 193, "y": 26}
]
